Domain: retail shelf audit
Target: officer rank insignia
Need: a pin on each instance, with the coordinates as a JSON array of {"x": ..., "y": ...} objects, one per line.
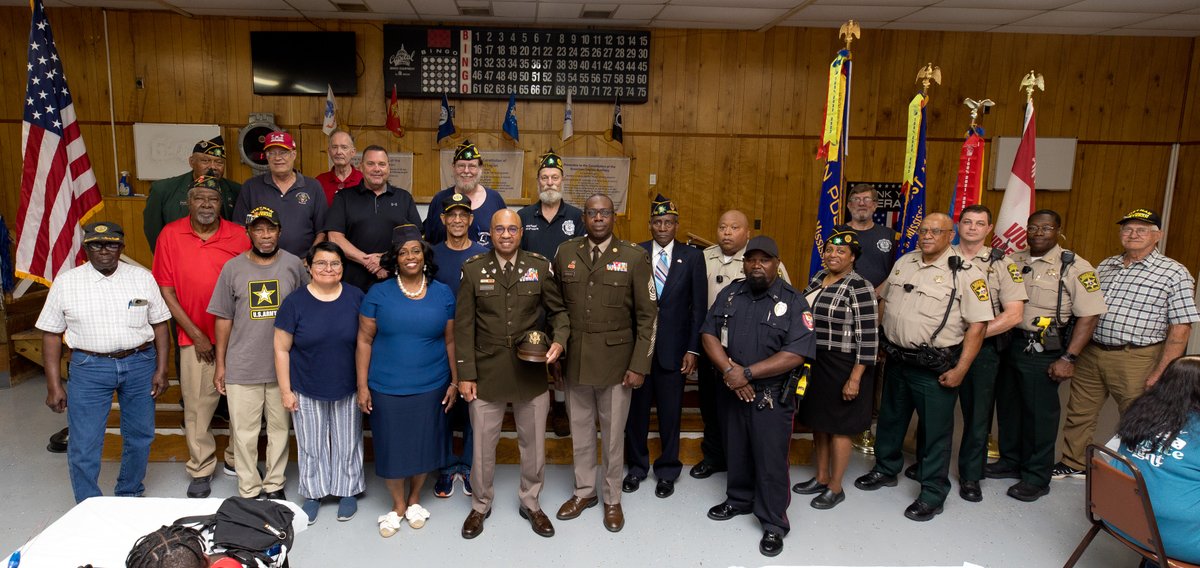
[
  {"x": 617, "y": 266},
  {"x": 264, "y": 299},
  {"x": 1089, "y": 281},
  {"x": 1015, "y": 273},
  {"x": 981, "y": 290},
  {"x": 531, "y": 275}
]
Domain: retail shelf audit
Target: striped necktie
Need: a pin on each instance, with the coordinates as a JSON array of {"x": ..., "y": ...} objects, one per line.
[{"x": 660, "y": 271}]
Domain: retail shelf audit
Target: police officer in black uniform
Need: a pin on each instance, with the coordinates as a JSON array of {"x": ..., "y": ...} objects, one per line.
[{"x": 757, "y": 332}]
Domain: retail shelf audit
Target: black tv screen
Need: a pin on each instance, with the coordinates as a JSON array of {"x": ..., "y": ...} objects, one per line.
[{"x": 303, "y": 63}]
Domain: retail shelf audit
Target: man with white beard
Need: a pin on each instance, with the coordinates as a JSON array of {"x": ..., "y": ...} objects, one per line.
[{"x": 485, "y": 202}]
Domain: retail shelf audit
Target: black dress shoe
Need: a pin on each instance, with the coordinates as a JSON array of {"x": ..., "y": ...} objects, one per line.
[
  {"x": 1027, "y": 492},
  {"x": 665, "y": 488},
  {"x": 724, "y": 512},
  {"x": 771, "y": 543},
  {"x": 922, "y": 511},
  {"x": 703, "y": 470},
  {"x": 200, "y": 487},
  {"x": 631, "y": 483},
  {"x": 874, "y": 480},
  {"x": 277, "y": 494},
  {"x": 969, "y": 491},
  {"x": 827, "y": 499},
  {"x": 809, "y": 487},
  {"x": 473, "y": 525},
  {"x": 1000, "y": 470},
  {"x": 911, "y": 472},
  {"x": 58, "y": 442}
]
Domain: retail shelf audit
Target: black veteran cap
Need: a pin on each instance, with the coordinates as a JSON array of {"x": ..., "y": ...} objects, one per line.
[
  {"x": 467, "y": 151},
  {"x": 103, "y": 232},
  {"x": 404, "y": 233},
  {"x": 843, "y": 236},
  {"x": 1142, "y": 215},
  {"x": 532, "y": 346},
  {"x": 455, "y": 201},
  {"x": 206, "y": 182},
  {"x": 551, "y": 160},
  {"x": 213, "y": 147},
  {"x": 765, "y": 244},
  {"x": 263, "y": 213},
  {"x": 662, "y": 206}
]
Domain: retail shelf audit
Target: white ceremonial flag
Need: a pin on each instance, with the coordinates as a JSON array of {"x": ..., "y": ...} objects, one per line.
[
  {"x": 568, "y": 119},
  {"x": 1018, "y": 201},
  {"x": 330, "y": 123}
]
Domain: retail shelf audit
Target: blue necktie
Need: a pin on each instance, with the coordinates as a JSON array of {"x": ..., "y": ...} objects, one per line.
[{"x": 660, "y": 271}]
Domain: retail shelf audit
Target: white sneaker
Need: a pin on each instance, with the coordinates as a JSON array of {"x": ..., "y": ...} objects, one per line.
[
  {"x": 389, "y": 524},
  {"x": 416, "y": 515}
]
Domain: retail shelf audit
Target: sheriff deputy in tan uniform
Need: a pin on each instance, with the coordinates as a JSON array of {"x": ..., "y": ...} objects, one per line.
[
  {"x": 935, "y": 311},
  {"x": 1062, "y": 287},
  {"x": 722, "y": 264},
  {"x": 503, "y": 296},
  {"x": 608, "y": 288}
]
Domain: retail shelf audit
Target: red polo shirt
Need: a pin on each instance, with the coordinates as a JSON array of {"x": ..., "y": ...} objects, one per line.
[
  {"x": 331, "y": 184},
  {"x": 191, "y": 266}
]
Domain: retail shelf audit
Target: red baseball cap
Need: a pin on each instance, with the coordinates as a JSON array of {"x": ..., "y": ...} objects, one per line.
[{"x": 281, "y": 139}]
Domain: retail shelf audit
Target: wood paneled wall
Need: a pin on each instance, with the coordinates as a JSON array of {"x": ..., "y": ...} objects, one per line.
[{"x": 732, "y": 122}]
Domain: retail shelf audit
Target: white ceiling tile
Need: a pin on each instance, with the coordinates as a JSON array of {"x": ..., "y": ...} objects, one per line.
[
  {"x": 704, "y": 25},
  {"x": 254, "y": 13},
  {"x": 597, "y": 23},
  {"x": 1102, "y": 20},
  {"x": 1057, "y": 30},
  {"x": 1148, "y": 6},
  {"x": 642, "y": 12},
  {"x": 736, "y": 4},
  {"x": 546, "y": 10},
  {"x": 599, "y": 7},
  {"x": 968, "y": 16},
  {"x": 1006, "y": 4},
  {"x": 231, "y": 5},
  {"x": 1173, "y": 22},
  {"x": 858, "y": 13},
  {"x": 339, "y": 15},
  {"x": 474, "y": 3},
  {"x": 717, "y": 15},
  {"x": 527, "y": 10},
  {"x": 423, "y": 7},
  {"x": 938, "y": 27},
  {"x": 915, "y": 3},
  {"x": 320, "y": 5},
  {"x": 1150, "y": 33},
  {"x": 659, "y": 2}
]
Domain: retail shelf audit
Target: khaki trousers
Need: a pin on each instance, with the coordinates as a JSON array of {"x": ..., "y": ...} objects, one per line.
[
  {"x": 247, "y": 404},
  {"x": 200, "y": 400},
  {"x": 1098, "y": 375},
  {"x": 586, "y": 404},
  {"x": 486, "y": 420}
]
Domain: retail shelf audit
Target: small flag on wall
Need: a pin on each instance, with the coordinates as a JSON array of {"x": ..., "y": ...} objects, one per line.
[
  {"x": 330, "y": 123},
  {"x": 510, "y": 120}
]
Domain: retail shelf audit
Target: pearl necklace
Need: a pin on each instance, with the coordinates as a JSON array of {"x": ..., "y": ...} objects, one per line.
[{"x": 419, "y": 291}]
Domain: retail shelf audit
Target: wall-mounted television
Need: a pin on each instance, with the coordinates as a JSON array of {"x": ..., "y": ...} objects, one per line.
[{"x": 303, "y": 63}]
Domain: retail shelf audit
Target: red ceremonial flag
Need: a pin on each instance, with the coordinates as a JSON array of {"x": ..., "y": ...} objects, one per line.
[
  {"x": 970, "y": 173},
  {"x": 58, "y": 186},
  {"x": 1019, "y": 193},
  {"x": 393, "y": 115}
]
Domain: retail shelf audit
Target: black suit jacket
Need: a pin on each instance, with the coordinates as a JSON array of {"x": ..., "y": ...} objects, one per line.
[{"x": 681, "y": 306}]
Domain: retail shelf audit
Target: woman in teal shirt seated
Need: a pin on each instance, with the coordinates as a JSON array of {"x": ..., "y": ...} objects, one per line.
[
  {"x": 405, "y": 380},
  {"x": 1160, "y": 434}
]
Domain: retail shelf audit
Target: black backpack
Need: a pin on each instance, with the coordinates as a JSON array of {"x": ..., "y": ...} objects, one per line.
[{"x": 247, "y": 529}]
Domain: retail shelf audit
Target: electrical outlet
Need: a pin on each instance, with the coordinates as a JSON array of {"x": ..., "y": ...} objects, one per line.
[{"x": 653, "y": 179}]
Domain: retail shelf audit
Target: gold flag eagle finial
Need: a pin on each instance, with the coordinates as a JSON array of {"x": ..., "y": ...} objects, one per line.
[
  {"x": 929, "y": 74},
  {"x": 1031, "y": 81},
  {"x": 976, "y": 106},
  {"x": 850, "y": 31}
]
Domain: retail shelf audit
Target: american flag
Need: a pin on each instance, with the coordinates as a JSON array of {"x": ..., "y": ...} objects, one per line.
[{"x": 58, "y": 187}]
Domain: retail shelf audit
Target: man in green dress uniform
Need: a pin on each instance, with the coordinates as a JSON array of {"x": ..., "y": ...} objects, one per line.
[{"x": 168, "y": 197}]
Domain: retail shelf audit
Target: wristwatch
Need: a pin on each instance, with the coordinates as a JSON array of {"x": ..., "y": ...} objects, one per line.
[
  {"x": 1068, "y": 357},
  {"x": 746, "y": 373}
]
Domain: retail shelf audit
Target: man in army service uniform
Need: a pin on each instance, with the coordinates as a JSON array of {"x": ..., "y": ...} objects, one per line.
[
  {"x": 937, "y": 309},
  {"x": 1063, "y": 295},
  {"x": 503, "y": 296},
  {"x": 608, "y": 288}
]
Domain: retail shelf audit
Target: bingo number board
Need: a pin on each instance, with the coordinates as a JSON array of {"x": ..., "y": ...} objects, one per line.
[{"x": 492, "y": 63}]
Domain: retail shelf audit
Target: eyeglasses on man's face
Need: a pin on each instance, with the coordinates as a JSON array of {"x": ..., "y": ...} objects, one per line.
[{"x": 97, "y": 247}]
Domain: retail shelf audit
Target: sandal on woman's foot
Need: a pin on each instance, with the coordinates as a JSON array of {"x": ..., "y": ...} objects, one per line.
[
  {"x": 416, "y": 515},
  {"x": 389, "y": 524}
]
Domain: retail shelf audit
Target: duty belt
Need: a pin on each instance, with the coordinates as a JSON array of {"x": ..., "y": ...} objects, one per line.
[{"x": 119, "y": 354}]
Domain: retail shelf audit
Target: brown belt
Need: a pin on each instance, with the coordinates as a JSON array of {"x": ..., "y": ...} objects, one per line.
[
  {"x": 119, "y": 354},
  {"x": 1104, "y": 347}
]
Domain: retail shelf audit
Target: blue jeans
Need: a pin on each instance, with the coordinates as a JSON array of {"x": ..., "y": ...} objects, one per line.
[
  {"x": 459, "y": 419},
  {"x": 89, "y": 400}
]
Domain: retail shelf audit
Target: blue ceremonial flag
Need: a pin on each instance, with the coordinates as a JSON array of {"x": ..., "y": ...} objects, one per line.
[
  {"x": 913, "y": 184},
  {"x": 446, "y": 121},
  {"x": 510, "y": 119},
  {"x": 833, "y": 150}
]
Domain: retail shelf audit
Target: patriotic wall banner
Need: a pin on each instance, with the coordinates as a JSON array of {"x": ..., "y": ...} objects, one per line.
[
  {"x": 1009, "y": 234},
  {"x": 913, "y": 184},
  {"x": 58, "y": 186},
  {"x": 832, "y": 149},
  {"x": 970, "y": 173}
]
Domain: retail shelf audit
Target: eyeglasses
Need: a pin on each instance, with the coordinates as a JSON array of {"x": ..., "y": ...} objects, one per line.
[
  {"x": 1139, "y": 231},
  {"x": 272, "y": 154},
  {"x": 866, "y": 199},
  {"x": 1033, "y": 229},
  {"x": 931, "y": 231},
  {"x": 604, "y": 213},
  {"x": 471, "y": 167},
  {"x": 333, "y": 265},
  {"x": 97, "y": 247},
  {"x": 501, "y": 229}
]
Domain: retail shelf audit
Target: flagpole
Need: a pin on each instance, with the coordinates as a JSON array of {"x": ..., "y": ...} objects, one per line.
[{"x": 112, "y": 118}]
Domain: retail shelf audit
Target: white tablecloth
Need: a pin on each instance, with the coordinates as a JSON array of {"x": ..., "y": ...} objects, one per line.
[{"x": 101, "y": 530}]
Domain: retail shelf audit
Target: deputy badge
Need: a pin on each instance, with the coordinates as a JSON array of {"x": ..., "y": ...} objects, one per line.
[
  {"x": 531, "y": 275},
  {"x": 568, "y": 227},
  {"x": 1015, "y": 273},
  {"x": 780, "y": 309},
  {"x": 981, "y": 290},
  {"x": 808, "y": 320},
  {"x": 302, "y": 198},
  {"x": 1089, "y": 281}
]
